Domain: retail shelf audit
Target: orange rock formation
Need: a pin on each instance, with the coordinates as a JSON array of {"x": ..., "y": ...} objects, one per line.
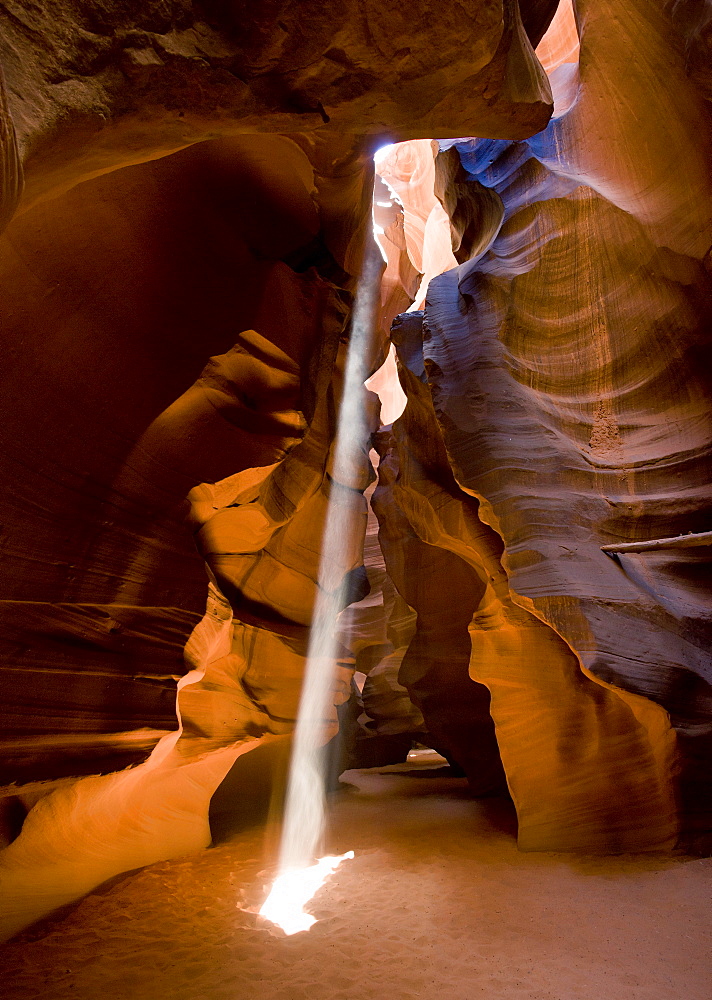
[{"x": 178, "y": 274}]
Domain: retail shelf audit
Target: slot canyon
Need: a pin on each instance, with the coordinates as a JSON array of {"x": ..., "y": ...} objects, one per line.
[{"x": 202, "y": 203}]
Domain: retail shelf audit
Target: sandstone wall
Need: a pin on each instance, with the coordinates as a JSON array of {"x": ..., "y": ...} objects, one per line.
[
  {"x": 178, "y": 278},
  {"x": 566, "y": 361},
  {"x": 125, "y": 269}
]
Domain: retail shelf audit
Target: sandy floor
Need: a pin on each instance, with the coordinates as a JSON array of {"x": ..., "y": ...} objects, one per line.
[{"x": 438, "y": 903}]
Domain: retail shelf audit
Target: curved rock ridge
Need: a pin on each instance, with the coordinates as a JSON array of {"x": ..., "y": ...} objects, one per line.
[
  {"x": 408, "y": 168},
  {"x": 135, "y": 279},
  {"x": 178, "y": 281},
  {"x": 560, "y": 44},
  {"x": 567, "y": 360},
  {"x": 587, "y": 769},
  {"x": 262, "y": 545},
  {"x": 182, "y": 268},
  {"x": 612, "y": 138},
  {"x": 11, "y": 179},
  {"x": 693, "y": 21},
  {"x": 230, "y": 234},
  {"x": 260, "y": 533},
  {"x": 97, "y": 87}
]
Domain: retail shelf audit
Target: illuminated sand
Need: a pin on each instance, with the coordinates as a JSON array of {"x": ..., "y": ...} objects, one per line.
[
  {"x": 437, "y": 903},
  {"x": 293, "y": 889}
]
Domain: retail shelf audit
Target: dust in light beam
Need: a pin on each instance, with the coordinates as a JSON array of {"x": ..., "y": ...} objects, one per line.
[{"x": 305, "y": 809}]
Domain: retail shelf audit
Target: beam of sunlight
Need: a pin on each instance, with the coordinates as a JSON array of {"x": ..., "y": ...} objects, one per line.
[
  {"x": 383, "y": 152},
  {"x": 304, "y": 818}
]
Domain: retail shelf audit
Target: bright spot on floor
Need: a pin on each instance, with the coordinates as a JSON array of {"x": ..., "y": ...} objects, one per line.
[{"x": 293, "y": 889}]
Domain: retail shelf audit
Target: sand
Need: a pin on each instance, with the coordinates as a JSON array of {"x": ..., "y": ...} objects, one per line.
[{"x": 438, "y": 903}]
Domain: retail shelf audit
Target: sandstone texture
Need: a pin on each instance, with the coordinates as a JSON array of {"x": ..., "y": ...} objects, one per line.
[
  {"x": 436, "y": 873},
  {"x": 189, "y": 199},
  {"x": 96, "y": 86},
  {"x": 564, "y": 360},
  {"x": 120, "y": 284},
  {"x": 109, "y": 419}
]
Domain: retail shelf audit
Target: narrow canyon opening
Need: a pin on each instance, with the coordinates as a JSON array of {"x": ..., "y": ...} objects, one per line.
[{"x": 376, "y": 343}]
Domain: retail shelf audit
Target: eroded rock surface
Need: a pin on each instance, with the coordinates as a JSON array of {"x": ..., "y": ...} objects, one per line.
[
  {"x": 566, "y": 359},
  {"x": 116, "y": 294},
  {"x": 439, "y": 544},
  {"x": 95, "y": 87},
  {"x": 179, "y": 277}
]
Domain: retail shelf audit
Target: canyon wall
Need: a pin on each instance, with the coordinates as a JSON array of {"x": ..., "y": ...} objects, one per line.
[
  {"x": 566, "y": 363},
  {"x": 125, "y": 269},
  {"x": 178, "y": 276}
]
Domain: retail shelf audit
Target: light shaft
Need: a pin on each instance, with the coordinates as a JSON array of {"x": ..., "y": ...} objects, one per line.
[{"x": 305, "y": 803}]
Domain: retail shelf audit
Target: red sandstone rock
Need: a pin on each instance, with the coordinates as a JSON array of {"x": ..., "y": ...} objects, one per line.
[
  {"x": 556, "y": 402},
  {"x": 117, "y": 85},
  {"x": 563, "y": 360}
]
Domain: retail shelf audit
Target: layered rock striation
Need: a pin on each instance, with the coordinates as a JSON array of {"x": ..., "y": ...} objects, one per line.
[
  {"x": 565, "y": 363},
  {"x": 126, "y": 269},
  {"x": 179, "y": 277}
]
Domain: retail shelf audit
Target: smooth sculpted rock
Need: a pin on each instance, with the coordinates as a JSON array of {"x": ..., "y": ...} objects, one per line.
[
  {"x": 115, "y": 296},
  {"x": 569, "y": 372},
  {"x": 178, "y": 281},
  {"x": 587, "y": 770},
  {"x": 260, "y": 534},
  {"x": 250, "y": 438},
  {"x": 10, "y": 167},
  {"x": 126, "y": 268},
  {"x": 93, "y": 87},
  {"x": 693, "y": 19},
  {"x": 408, "y": 168},
  {"x": 261, "y": 539}
]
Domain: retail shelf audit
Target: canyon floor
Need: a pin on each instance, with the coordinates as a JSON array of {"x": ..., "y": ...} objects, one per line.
[{"x": 437, "y": 903}]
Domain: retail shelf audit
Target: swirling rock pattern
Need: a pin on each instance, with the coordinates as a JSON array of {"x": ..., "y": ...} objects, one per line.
[
  {"x": 136, "y": 279},
  {"x": 565, "y": 742},
  {"x": 119, "y": 268},
  {"x": 96, "y": 87},
  {"x": 176, "y": 326},
  {"x": 567, "y": 365},
  {"x": 11, "y": 178}
]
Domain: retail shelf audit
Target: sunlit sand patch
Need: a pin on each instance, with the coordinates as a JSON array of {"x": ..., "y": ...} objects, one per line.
[{"x": 293, "y": 889}]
